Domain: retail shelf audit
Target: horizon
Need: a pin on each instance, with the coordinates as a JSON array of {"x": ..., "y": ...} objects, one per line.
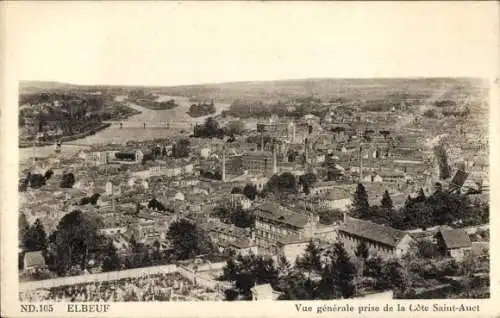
[
  {"x": 184, "y": 44},
  {"x": 282, "y": 80}
]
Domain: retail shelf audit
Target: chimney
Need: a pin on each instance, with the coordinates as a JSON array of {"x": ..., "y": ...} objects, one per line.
[
  {"x": 224, "y": 163},
  {"x": 275, "y": 164},
  {"x": 306, "y": 150}
]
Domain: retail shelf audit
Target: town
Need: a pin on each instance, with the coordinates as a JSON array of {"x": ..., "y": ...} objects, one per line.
[{"x": 354, "y": 194}]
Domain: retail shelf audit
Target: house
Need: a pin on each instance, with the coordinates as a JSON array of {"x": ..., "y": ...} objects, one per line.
[
  {"x": 455, "y": 243},
  {"x": 322, "y": 187},
  {"x": 337, "y": 198},
  {"x": 34, "y": 262},
  {"x": 292, "y": 247},
  {"x": 380, "y": 239},
  {"x": 243, "y": 247},
  {"x": 391, "y": 176}
]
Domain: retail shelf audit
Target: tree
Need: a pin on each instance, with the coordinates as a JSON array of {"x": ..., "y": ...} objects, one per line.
[
  {"x": 311, "y": 260},
  {"x": 386, "y": 205},
  {"x": 307, "y": 180},
  {"x": 360, "y": 205},
  {"x": 373, "y": 267},
  {"x": 362, "y": 251},
  {"x": 421, "y": 196},
  {"x": 23, "y": 226},
  {"x": 35, "y": 239},
  {"x": 74, "y": 236},
  {"x": 284, "y": 183},
  {"x": 297, "y": 286},
  {"x": 442, "y": 160},
  {"x": 231, "y": 294},
  {"x": 49, "y": 173},
  {"x": 111, "y": 261},
  {"x": 235, "y": 127},
  {"x": 337, "y": 280},
  {"x": 236, "y": 190},
  {"x": 393, "y": 276},
  {"x": 187, "y": 240},
  {"x": 292, "y": 155},
  {"x": 250, "y": 191},
  {"x": 68, "y": 180},
  {"x": 241, "y": 218},
  {"x": 181, "y": 148},
  {"x": 246, "y": 271},
  {"x": 211, "y": 127},
  {"x": 284, "y": 266},
  {"x": 385, "y": 133},
  {"x": 36, "y": 180}
]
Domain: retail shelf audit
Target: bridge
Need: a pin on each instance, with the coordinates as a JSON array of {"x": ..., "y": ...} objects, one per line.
[{"x": 153, "y": 125}]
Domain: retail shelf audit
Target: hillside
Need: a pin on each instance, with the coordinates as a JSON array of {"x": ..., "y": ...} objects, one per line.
[{"x": 273, "y": 91}]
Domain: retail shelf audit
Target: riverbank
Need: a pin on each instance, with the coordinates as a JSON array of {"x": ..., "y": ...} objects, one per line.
[{"x": 27, "y": 144}]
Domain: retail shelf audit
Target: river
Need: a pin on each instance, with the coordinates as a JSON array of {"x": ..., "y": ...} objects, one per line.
[{"x": 115, "y": 134}]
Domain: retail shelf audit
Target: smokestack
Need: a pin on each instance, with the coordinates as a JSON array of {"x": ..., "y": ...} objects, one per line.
[
  {"x": 360, "y": 163},
  {"x": 306, "y": 150},
  {"x": 261, "y": 141},
  {"x": 275, "y": 164},
  {"x": 223, "y": 163}
]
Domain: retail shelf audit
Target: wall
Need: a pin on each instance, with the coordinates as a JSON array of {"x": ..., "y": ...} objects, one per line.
[
  {"x": 100, "y": 277},
  {"x": 292, "y": 251}
]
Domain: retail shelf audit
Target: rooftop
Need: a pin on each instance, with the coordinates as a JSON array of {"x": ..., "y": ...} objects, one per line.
[
  {"x": 34, "y": 258},
  {"x": 280, "y": 214},
  {"x": 455, "y": 238},
  {"x": 372, "y": 231}
]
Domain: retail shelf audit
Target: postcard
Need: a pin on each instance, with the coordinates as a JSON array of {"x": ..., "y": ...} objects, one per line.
[{"x": 249, "y": 159}]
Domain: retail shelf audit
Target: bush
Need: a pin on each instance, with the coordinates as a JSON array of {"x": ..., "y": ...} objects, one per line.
[{"x": 427, "y": 249}]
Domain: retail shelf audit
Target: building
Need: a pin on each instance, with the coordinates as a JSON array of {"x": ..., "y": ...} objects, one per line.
[
  {"x": 322, "y": 187},
  {"x": 34, "y": 262},
  {"x": 235, "y": 200},
  {"x": 380, "y": 239},
  {"x": 259, "y": 162},
  {"x": 274, "y": 222},
  {"x": 336, "y": 198},
  {"x": 259, "y": 183},
  {"x": 283, "y": 130},
  {"x": 104, "y": 157},
  {"x": 455, "y": 243},
  {"x": 227, "y": 236},
  {"x": 243, "y": 247},
  {"x": 292, "y": 247}
]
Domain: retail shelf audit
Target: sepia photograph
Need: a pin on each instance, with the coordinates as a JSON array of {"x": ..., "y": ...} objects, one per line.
[{"x": 189, "y": 152}]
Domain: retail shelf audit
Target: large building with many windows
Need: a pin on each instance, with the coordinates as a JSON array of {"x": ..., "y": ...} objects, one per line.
[{"x": 274, "y": 222}]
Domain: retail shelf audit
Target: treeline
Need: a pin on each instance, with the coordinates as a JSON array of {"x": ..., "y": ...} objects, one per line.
[
  {"x": 38, "y": 180},
  {"x": 212, "y": 129},
  {"x": 317, "y": 275},
  {"x": 76, "y": 245},
  {"x": 440, "y": 208},
  {"x": 59, "y": 115},
  {"x": 202, "y": 109}
]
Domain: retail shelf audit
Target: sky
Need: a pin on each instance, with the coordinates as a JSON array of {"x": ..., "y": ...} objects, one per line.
[{"x": 129, "y": 43}]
